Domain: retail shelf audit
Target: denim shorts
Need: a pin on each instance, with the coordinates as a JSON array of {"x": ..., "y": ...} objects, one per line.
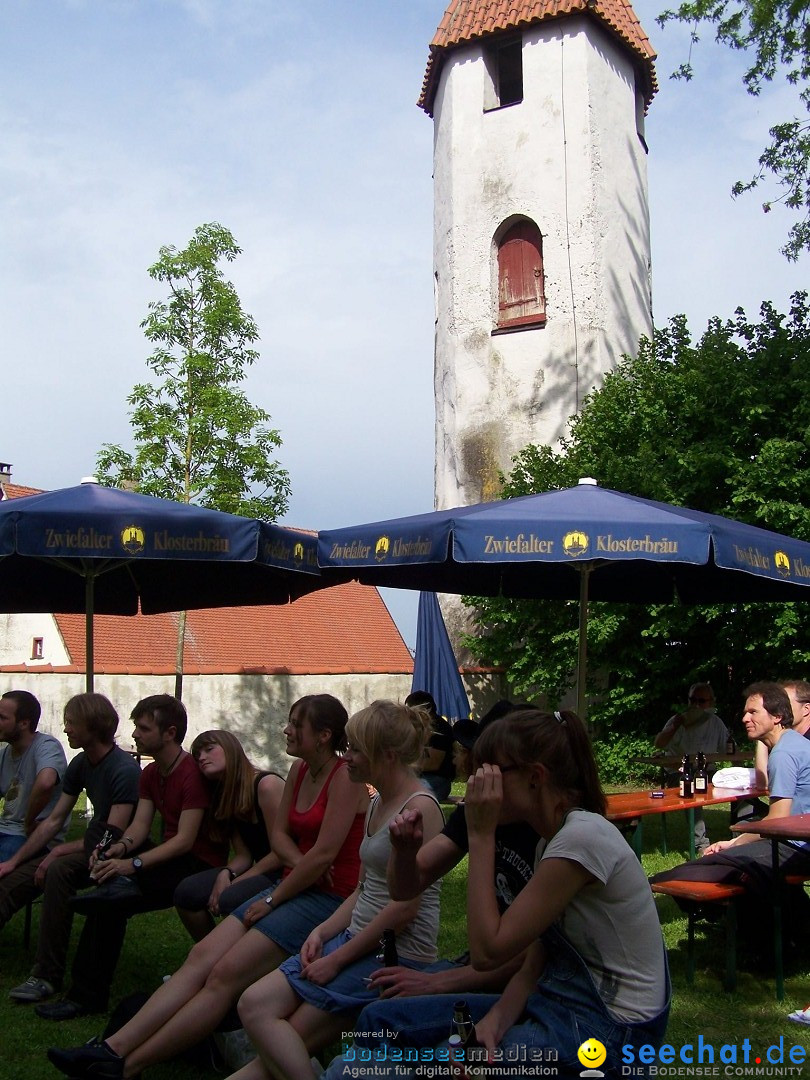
[
  {"x": 290, "y": 924},
  {"x": 349, "y": 990}
]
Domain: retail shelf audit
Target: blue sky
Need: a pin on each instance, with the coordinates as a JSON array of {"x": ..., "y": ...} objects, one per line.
[{"x": 126, "y": 123}]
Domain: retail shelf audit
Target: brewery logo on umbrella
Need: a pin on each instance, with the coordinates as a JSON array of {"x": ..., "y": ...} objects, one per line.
[
  {"x": 381, "y": 548},
  {"x": 782, "y": 563},
  {"x": 575, "y": 544},
  {"x": 133, "y": 540}
]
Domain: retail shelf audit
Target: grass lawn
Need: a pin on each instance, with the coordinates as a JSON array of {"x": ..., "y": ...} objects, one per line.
[{"x": 156, "y": 945}]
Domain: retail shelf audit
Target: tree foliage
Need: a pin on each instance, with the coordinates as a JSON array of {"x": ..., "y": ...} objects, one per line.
[
  {"x": 197, "y": 437},
  {"x": 776, "y": 35},
  {"x": 722, "y": 425}
]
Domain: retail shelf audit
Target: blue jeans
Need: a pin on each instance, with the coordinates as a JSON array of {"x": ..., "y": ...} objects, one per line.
[
  {"x": 10, "y": 844},
  {"x": 564, "y": 1011}
]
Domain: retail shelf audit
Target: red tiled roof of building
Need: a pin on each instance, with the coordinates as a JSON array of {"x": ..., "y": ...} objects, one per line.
[
  {"x": 466, "y": 20},
  {"x": 346, "y": 629},
  {"x": 15, "y": 491},
  {"x": 342, "y": 630}
]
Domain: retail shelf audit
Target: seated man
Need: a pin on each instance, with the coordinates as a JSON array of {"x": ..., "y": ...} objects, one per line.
[
  {"x": 32, "y": 765},
  {"x": 437, "y": 766},
  {"x": 411, "y": 869},
  {"x": 130, "y": 883},
  {"x": 698, "y": 729},
  {"x": 768, "y": 718},
  {"x": 110, "y": 776}
]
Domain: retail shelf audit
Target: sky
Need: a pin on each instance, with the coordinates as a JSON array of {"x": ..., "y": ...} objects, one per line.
[{"x": 124, "y": 124}]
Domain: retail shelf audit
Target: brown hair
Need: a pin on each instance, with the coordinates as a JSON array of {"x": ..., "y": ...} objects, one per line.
[
  {"x": 323, "y": 712},
  {"x": 386, "y": 726},
  {"x": 235, "y": 789},
  {"x": 559, "y": 741},
  {"x": 96, "y": 713},
  {"x": 166, "y": 711},
  {"x": 26, "y": 707},
  {"x": 774, "y": 700}
]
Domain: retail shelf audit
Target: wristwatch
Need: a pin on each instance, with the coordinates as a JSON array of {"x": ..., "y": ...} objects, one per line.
[
  {"x": 232, "y": 874},
  {"x": 137, "y": 864},
  {"x": 269, "y": 900}
]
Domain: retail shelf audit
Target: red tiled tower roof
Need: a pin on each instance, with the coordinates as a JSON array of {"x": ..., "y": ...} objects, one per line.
[{"x": 466, "y": 20}]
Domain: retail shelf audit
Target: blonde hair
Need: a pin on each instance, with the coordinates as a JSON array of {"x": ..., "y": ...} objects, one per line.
[
  {"x": 388, "y": 727},
  {"x": 235, "y": 789}
]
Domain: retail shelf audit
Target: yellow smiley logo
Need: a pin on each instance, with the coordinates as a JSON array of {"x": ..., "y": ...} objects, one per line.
[{"x": 592, "y": 1054}]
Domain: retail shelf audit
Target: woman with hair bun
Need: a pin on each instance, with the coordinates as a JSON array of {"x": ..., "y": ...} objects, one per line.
[
  {"x": 243, "y": 810},
  {"x": 312, "y": 998}
]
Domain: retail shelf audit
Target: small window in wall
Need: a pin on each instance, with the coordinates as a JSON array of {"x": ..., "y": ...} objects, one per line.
[
  {"x": 504, "y": 61},
  {"x": 521, "y": 293},
  {"x": 37, "y": 650}
]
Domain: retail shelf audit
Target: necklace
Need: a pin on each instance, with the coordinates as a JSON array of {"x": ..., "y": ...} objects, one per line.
[
  {"x": 166, "y": 773},
  {"x": 315, "y": 773}
]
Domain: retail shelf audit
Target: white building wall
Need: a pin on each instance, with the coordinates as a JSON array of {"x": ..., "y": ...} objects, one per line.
[
  {"x": 17, "y": 634},
  {"x": 253, "y": 707},
  {"x": 569, "y": 157}
]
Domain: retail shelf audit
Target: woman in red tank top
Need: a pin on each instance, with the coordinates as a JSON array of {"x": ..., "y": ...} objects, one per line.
[{"x": 315, "y": 842}]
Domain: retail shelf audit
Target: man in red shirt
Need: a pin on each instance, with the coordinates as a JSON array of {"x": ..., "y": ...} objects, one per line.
[{"x": 132, "y": 875}]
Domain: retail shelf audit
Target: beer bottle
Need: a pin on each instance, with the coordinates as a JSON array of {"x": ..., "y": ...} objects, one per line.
[
  {"x": 701, "y": 775},
  {"x": 685, "y": 780},
  {"x": 463, "y": 1025},
  {"x": 388, "y": 951}
]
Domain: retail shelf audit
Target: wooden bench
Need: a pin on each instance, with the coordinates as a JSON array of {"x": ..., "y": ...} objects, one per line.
[
  {"x": 697, "y": 894},
  {"x": 694, "y": 895}
]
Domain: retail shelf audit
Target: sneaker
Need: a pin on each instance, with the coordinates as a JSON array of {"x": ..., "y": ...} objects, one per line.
[
  {"x": 33, "y": 989},
  {"x": 94, "y": 1059}
]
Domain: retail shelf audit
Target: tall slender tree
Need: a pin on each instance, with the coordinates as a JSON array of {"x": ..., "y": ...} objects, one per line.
[{"x": 196, "y": 436}]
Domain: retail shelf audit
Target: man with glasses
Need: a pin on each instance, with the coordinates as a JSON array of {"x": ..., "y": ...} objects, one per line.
[{"x": 698, "y": 729}]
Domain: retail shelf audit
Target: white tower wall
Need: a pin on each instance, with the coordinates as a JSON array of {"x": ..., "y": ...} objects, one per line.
[{"x": 571, "y": 158}]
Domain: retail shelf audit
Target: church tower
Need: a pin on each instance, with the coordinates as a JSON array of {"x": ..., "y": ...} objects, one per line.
[{"x": 541, "y": 225}]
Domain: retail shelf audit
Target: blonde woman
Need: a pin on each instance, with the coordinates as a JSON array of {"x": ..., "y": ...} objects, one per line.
[{"x": 305, "y": 1005}]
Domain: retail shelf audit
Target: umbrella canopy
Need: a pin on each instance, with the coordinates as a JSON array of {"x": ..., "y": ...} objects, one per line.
[
  {"x": 96, "y": 549},
  {"x": 583, "y": 543},
  {"x": 434, "y": 664}
]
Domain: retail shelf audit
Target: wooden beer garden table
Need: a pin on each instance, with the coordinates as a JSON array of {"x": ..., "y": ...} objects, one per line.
[
  {"x": 631, "y": 807},
  {"x": 795, "y": 827}
]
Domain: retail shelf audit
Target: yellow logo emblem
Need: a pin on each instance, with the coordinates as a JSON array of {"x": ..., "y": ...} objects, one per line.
[
  {"x": 592, "y": 1054},
  {"x": 298, "y": 552},
  {"x": 782, "y": 563},
  {"x": 381, "y": 548},
  {"x": 575, "y": 543},
  {"x": 133, "y": 540}
]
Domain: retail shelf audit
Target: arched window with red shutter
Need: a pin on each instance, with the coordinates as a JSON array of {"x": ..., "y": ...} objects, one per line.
[{"x": 521, "y": 294}]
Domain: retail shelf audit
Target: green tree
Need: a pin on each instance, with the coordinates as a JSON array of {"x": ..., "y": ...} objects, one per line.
[
  {"x": 776, "y": 35},
  {"x": 197, "y": 438},
  {"x": 722, "y": 425}
]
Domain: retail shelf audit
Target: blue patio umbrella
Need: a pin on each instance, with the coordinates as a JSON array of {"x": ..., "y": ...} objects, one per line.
[
  {"x": 96, "y": 549},
  {"x": 584, "y": 543},
  {"x": 434, "y": 664}
]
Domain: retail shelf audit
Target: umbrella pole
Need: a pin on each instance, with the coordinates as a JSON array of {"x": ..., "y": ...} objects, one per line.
[
  {"x": 89, "y": 595},
  {"x": 582, "y": 651}
]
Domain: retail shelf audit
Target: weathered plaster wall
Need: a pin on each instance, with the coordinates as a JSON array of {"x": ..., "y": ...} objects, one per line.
[
  {"x": 253, "y": 707},
  {"x": 570, "y": 158}
]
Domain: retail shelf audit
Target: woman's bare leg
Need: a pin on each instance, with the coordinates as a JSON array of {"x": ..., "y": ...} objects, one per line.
[
  {"x": 170, "y": 998},
  {"x": 285, "y": 1030},
  {"x": 198, "y": 923},
  {"x": 251, "y": 957}
]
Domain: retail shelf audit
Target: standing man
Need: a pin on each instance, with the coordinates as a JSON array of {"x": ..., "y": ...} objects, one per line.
[
  {"x": 32, "y": 765},
  {"x": 110, "y": 777},
  {"x": 132, "y": 875},
  {"x": 698, "y": 729}
]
